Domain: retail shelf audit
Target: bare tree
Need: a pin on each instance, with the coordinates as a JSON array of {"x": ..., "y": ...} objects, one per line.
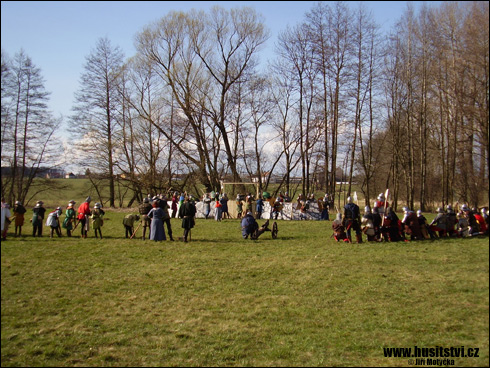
[
  {"x": 95, "y": 109},
  {"x": 28, "y": 128}
]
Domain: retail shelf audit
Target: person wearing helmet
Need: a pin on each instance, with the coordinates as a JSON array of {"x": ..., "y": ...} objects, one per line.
[
  {"x": 83, "y": 215},
  {"x": 424, "y": 226},
  {"x": 163, "y": 203},
  {"x": 339, "y": 229},
  {"x": 439, "y": 223},
  {"x": 411, "y": 224},
  {"x": 144, "y": 208},
  {"x": 323, "y": 205},
  {"x": 451, "y": 221},
  {"x": 485, "y": 218},
  {"x": 249, "y": 202},
  {"x": 206, "y": 200},
  {"x": 305, "y": 206},
  {"x": 97, "y": 219},
  {"x": 352, "y": 220},
  {"x": 367, "y": 224},
  {"x": 37, "y": 218},
  {"x": 70, "y": 218},
  {"x": 381, "y": 203},
  {"x": 377, "y": 223},
  {"x": 250, "y": 227},
  {"x": 187, "y": 212},
  {"x": 239, "y": 206},
  {"x": 474, "y": 226},
  {"x": 19, "y": 211},
  {"x": 392, "y": 226},
  {"x": 463, "y": 227},
  {"x": 53, "y": 220},
  {"x": 218, "y": 213},
  {"x": 276, "y": 209},
  {"x": 481, "y": 223}
]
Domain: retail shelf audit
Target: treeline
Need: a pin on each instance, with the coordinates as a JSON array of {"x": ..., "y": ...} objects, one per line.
[{"x": 408, "y": 110}]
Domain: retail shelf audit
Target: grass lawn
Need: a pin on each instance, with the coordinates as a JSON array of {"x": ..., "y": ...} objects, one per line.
[{"x": 299, "y": 300}]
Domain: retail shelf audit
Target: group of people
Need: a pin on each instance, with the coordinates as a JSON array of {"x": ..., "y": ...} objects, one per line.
[
  {"x": 85, "y": 216},
  {"x": 220, "y": 204},
  {"x": 155, "y": 217},
  {"x": 153, "y": 213},
  {"x": 379, "y": 224},
  {"x": 382, "y": 223}
]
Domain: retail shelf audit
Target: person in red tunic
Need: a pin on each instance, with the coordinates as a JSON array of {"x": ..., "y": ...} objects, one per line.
[{"x": 83, "y": 215}]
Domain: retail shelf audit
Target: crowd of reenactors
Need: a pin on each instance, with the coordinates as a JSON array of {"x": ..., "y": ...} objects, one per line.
[
  {"x": 153, "y": 213},
  {"x": 383, "y": 224},
  {"x": 380, "y": 223}
]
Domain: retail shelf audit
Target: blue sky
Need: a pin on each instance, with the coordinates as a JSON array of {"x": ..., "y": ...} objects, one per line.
[{"x": 58, "y": 35}]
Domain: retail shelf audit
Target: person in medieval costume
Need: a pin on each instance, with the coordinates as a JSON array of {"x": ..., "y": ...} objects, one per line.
[
  {"x": 276, "y": 208},
  {"x": 451, "y": 221},
  {"x": 217, "y": 209},
  {"x": 250, "y": 227},
  {"x": 37, "y": 219},
  {"x": 367, "y": 224},
  {"x": 259, "y": 207},
  {"x": 377, "y": 223},
  {"x": 143, "y": 209},
  {"x": 187, "y": 212},
  {"x": 485, "y": 218},
  {"x": 463, "y": 227},
  {"x": 53, "y": 221},
  {"x": 411, "y": 224},
  {"x": 163, "y": 203},
  {"x": 381, "y": 203},
  {"x": 439, "y": 223},
  {"x": 325, "y": 207},
  {"x": 157, "y": 232},
  {"x": 225, "y": 214},
  {"x": 424, "y": 226},
  {"x": 474, "y": 226},
  {"x": 206, "y": 200},
  {"x": 19, "y": 211},
  {"x": 339, "y": 229},
  {"x": 128, "y": 222},
  {"x": 5, "y": 219},
  {"x": 175, "y": 202},
  {"x": 392, "y": 224},
  {"x": 352, "y": 220},
  {"x": 481, "y": 223},
  {"x": 249, "y": 202},
  {"x": 97, "y": 219},
  {"x": 83, "y": 216},
  {"x": 70, "y": 218}
]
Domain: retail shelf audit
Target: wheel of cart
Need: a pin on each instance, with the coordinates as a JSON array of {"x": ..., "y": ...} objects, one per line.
[{"x": 274, "y": 230}]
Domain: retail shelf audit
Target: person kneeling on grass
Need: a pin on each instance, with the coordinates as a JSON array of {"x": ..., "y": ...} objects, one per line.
[
  {"x": 339, "y": 229},
  {"x": 251, "y": 227}
]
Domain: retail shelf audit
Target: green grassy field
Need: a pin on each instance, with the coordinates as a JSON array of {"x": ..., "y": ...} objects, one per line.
[{"x": 299, "y": 300}]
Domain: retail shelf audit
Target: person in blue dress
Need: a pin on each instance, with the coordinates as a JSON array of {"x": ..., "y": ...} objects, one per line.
[{"x": 157, "y": 232}]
